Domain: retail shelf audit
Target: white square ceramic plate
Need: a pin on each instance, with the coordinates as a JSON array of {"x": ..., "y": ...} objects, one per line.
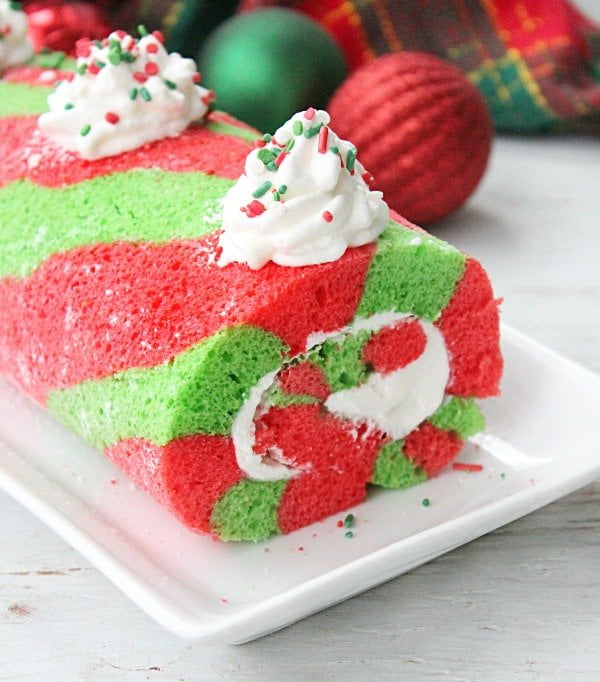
[{"x": 545, "y": 444}]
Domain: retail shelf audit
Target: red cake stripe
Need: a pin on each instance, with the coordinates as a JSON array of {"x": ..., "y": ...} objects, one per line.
[
  {"x": 36, "y": 75},
  {"x": 188, "y": 475},
  {"x": 470, "y": 327},
  {"x": 339, "y": 455},
  {"x": 395, "y": 347},
  {"x": 100, "y": 309},
  {"x": 431, "y": 448},
  {"x": 305, "y": 379},
  {"x": 27, "y": 154}
]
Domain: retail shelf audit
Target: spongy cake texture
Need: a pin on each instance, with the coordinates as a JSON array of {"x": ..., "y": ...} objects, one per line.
[{"x": 115, "y": 316}]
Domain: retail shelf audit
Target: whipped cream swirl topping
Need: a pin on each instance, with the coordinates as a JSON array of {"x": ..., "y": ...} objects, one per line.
[
  {"x": 303, "y": 199},
  {"x": 124, "y": 94},
  {"x": 15, "y": 47}
]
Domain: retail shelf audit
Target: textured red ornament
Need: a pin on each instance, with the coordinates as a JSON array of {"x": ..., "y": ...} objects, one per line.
[
  {"x": 421, "y": 128},
  {"x": 58, "y": 25}
]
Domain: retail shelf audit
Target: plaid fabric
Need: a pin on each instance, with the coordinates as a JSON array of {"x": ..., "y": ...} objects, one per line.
[{"x": 537, "y": 62}]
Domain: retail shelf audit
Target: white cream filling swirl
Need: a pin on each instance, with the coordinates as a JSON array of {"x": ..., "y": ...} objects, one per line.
[
  {"x": 303, "y": 199},
  {"x": 395, "y": 403}
]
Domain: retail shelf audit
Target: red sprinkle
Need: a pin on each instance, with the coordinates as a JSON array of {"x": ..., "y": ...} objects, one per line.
[
  {"x": 208, "y": 98},
  {"x": 367, "y": 177},
  {"x": 120, "y": 34},
  {"x": 152, "y": 48},
  {"x": 82, "y": 48},
  {"x": 253, "y": 209},
  {"x": 151, "y": 68},
  {"x": 130, "y": 44},
  {"x": 140, "y": 77},
  {"x": 259, "y": 143},
  {"x": 300, "y": 549},
  {"x": 340, "y": 524},
  {"x": 323, "y": 135},
  {"x": 224, "y": 601},
  {"x": 159, "y": 36},
  {"x": 327, "y": 216},
  {"x": 309, "y": 114},
  {"x": 463, "y": 466},
  {"x": 93, "y": 69},
  {"x": 196, "y": 78},
  {"x": 280, "y": 158},
  {"x": 111, "y": 117}
]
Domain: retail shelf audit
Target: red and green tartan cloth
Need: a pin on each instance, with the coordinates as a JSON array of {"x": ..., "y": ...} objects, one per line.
[{"x": 537, "y": 62}]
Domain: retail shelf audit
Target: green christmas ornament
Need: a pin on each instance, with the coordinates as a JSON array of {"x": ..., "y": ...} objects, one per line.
[{"x": 266, "y": 65}]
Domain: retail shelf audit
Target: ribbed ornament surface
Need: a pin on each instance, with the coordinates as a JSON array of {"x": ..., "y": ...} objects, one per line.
[{"x": 421, "y": 128}]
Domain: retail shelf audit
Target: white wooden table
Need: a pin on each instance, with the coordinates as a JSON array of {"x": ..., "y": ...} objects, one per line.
[{"x": 521, "y": 603}]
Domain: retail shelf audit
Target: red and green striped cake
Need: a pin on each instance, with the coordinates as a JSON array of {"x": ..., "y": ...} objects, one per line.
[{"x": 116, "y": 317}]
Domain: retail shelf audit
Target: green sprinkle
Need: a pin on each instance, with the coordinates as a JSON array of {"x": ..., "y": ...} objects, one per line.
[
  {"x": 69, "y": 105},
  {"x": 349, "y": 521},
  {"x": 272, "y": 166},
  {"x": 142, "y": 30},
  {"x": 15, "y": 5},
  {"x": 282, "y": 189},
  {"x": 144, "y": 94},
  {"x": 350, "y": 159},
  {"x": 128, "y": 57},
  {"x": 335, "y": 150},
  {"x": 100, "y": 64},
  {"x": 85, "y": 130},
  {"x": 262, "y": 190},
  {"x": 426, "y": 502},
  {"x": 349, "y": 534},
  {"x": 276, "y": 151},
  {"x": 170, "y": 84},
  {"x": 290, "y": 145},
  {"x": 276, "y": 196},
  {"x": 502, "y": 475},
  {"x": 265, "y": 155},
  {"x": 298, "y": 128},
  {"x": 81, "y": 69},
  {"x": 133, "y": 93},
  {"x": 311, "y": 132},
  {"x": 266, "y": 137},
  {"x": 114, "y": 57}
]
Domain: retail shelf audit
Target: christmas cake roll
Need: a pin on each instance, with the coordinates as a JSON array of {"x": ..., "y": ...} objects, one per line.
[{"x": 236, "y": 321}]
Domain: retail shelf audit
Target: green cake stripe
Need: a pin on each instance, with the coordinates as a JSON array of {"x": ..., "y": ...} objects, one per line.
[
  {"x": 199, "y": 391},
  {"x": 278, "y": 398},
  {"x": 248, "y": 510},
  {"x": 459, "y": 415},
  {"x": 22, "y": 99},
  {"x": 103, "y": 210},
  {"x": 394, "y": 470},
  {"x": 412, "y": 273},
  {"x": 53, "y": 59},
  {"x": 341, "y": 360},
  {"x": 231, "y": 130}
]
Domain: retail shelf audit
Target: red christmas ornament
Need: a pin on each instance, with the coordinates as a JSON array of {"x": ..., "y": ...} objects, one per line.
[
  {"x": 421, "y": 128},
  {"x": 57, "y": 25}
]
